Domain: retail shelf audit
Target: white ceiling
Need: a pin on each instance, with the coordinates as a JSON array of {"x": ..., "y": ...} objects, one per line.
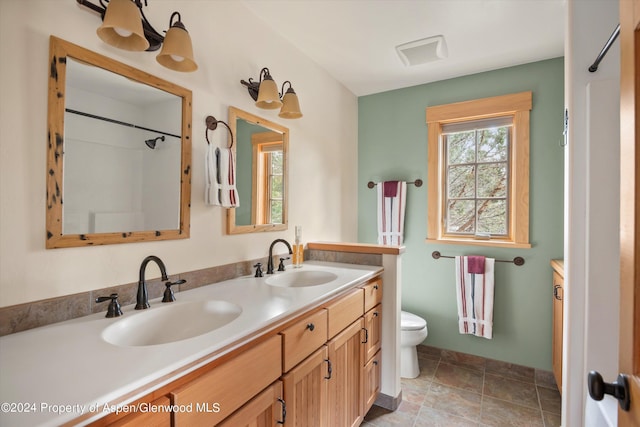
[{"x": 355, "y": 40}]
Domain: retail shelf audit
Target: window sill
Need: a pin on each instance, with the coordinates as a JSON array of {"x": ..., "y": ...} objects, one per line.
[{"x": 478, "y": 242}]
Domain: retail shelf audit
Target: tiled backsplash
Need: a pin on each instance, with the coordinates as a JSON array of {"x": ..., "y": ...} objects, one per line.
[{"x": 30, "y": 315}]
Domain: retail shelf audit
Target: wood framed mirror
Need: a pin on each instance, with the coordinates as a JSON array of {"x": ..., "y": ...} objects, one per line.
[
  {"x": 119, "y": 152},
  {"x": 261, "y": 152}
]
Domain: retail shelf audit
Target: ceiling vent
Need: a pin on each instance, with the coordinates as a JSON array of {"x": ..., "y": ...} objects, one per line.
[{"x": 422, "y": 51}]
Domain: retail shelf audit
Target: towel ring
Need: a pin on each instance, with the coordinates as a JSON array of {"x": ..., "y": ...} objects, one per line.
[{"x": 212, "y": 124}]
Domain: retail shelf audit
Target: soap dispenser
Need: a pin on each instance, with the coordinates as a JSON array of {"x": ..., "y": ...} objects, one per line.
[{"x": 298, "y": 248}]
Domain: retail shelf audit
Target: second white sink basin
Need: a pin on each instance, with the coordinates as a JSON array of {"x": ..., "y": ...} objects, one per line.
[
  {"x": 170, "y": 322},
  {"x": 301, "y": 278}
]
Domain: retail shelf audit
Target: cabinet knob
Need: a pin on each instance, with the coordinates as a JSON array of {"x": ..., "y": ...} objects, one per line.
[
  {"x": 311, "y": 326},
  {"x": 375, "y": 287}
]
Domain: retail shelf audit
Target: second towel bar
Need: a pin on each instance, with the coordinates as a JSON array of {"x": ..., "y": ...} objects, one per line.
[{"x": 517, "y": 260}]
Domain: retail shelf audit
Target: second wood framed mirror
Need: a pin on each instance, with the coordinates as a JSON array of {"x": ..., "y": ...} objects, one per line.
[{"x": 262, "y": 155}]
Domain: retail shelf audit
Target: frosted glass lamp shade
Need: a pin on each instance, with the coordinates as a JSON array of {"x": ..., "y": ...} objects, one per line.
[
  {"x": 177, "y": 51},
  {"x": 268, "y": 95},
  {"x": 290, "y": 106},
  {"x": 122, "y": 26}
]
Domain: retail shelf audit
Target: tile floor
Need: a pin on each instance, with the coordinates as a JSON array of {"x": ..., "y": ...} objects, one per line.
[{"x": 456, "y": 389}]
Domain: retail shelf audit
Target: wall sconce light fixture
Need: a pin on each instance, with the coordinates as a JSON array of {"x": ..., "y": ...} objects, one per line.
[
  {"x": 265, "y": 93},
  {"x": 124, "y": 26}
]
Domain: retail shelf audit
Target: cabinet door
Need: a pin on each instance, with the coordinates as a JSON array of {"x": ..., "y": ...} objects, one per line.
[
  {"x": 266, "y": 409},
  {"x": 556, "y": 345},
  {"x": 345, "y": 385},
  {"x": 373, "y": 329},
  {"x": 305, "y": 391},
  {"x": 371, "y": 382}
]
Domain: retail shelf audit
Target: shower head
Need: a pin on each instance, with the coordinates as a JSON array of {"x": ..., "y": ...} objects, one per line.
[{"x": 151, "y": 143}]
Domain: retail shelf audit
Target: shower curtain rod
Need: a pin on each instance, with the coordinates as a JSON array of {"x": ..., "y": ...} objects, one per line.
[
  {"x": 594, "y": 67},
  {"x": 118, "y": 122}
]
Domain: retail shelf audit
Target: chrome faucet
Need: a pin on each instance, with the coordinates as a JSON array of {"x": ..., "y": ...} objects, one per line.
[
  {"x": 142, "y": 299},
  {"x": 270, "y": 260}
]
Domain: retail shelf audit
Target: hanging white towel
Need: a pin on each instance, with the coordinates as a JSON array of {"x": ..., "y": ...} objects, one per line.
[
  {"x": 220, "y": 177},
  {"x": 392, "y": 197},
  {"x": 474, "y": 292}
]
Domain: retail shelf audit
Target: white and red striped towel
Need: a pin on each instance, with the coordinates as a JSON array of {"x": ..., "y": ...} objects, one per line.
[
  {"x": 474, "y": 291},
  {"x": 392, "y": 197},
  {"x": 220, "y": 178}
]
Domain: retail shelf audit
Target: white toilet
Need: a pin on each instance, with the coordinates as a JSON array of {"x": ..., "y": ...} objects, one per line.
[{"x": 413, "y": 330}]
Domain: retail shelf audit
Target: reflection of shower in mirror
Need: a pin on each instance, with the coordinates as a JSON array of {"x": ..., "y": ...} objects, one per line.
[{"x": 151, "y": 143}]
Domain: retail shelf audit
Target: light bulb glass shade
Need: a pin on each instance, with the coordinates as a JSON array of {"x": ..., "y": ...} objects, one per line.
[
  {"x": 122, "y": 26},
  {"x": 177, "y": 51},
  {"x": 268, "y": 95},
  {"x": 290, "y": 106}
]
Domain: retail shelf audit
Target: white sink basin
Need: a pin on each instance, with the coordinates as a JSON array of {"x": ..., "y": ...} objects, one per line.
[
  {"x": 301, "y": 278},
  {"x": 170, "y": 322}
]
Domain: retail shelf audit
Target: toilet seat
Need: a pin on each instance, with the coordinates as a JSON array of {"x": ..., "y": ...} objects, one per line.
[{"x": 411, "y": 322}]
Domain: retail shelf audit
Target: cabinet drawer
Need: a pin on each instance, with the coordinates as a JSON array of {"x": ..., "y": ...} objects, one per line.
[
  {"x": 372, "y": 294},
  {"x": 229, "y": 385},
  {"x": 345, "y": 311},
  {"x": 302, "y": 338},
  {"x": 150, "y": 418}
]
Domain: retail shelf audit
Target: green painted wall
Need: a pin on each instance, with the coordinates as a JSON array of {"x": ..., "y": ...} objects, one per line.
[{"x": 392, "y": 144}]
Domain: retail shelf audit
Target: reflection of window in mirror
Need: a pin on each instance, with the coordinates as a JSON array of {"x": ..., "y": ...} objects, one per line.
[{"x": 268, "y": 177}]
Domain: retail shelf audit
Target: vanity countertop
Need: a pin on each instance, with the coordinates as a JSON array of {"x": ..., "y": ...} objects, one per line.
[{"x": 54, "y": 374}]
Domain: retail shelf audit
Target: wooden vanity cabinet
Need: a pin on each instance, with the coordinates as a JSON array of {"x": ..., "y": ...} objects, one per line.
[
  {"x": 558, "y": 315},
  {"x": 321, "y": 367}
]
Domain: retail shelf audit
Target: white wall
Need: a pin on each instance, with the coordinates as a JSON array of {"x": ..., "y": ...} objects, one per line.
[
  {"x": 230, "y": 44},
  {"x": 591, "y": 204}
]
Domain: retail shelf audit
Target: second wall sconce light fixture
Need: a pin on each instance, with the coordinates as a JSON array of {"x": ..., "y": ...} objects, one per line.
[
  {"x": 124, "y": 26},
  {"x": 265, "y": 93}
]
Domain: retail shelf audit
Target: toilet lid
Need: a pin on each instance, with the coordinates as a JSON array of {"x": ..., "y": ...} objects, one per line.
[{"x": 411, "y": 322}]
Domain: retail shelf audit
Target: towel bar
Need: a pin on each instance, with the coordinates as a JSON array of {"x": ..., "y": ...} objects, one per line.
[
  {"x": 517, "y": 260},
  {"x": 417, "y": 183}
]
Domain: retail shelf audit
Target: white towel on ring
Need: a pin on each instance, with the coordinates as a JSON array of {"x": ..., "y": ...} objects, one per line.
[
  {"x": 474, "y": 294},
  {"x": 392, "y": 197},
  {"x": 220, "y": 178}
]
